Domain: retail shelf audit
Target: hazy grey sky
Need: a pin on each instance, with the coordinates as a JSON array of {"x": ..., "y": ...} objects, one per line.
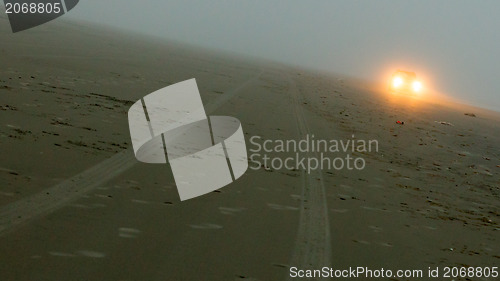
[{"x": 455, "y": 44}]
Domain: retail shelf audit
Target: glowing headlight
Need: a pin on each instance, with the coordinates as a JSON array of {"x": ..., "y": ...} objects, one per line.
[
  {"x": 417, "y": 86},
  {"x": 398, "y": 81}
]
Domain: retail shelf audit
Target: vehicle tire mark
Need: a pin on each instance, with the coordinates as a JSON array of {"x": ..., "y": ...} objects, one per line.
[
  {"x": 55, "y": 197},
  {"x": 312, "y": 247}
]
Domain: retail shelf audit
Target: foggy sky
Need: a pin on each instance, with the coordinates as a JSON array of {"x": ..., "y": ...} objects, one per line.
[{"x": 454, "y": 44}]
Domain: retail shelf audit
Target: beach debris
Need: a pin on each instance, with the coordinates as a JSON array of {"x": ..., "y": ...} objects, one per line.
[
  {"x": 9, "y": 171},
  {"x": 400, "y": 122},
  {"x": 470, "y": 114},
  {"x": 8, "y": 107},
  {"x": 444, "y": 123}
]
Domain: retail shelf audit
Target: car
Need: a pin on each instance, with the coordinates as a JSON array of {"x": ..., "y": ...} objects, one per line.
[{"x": 405, "y": 82}]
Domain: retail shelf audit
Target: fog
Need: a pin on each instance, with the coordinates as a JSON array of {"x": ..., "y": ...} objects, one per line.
[{"x": 453, "y": 45}]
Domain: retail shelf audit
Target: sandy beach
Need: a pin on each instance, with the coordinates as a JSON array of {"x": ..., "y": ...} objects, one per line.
[{"x": 75, "y": 204}]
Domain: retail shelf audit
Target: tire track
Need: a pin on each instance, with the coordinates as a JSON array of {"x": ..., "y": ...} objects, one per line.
[
  {"x": 312, "y": 247},
  {"x": 55, "y": 197}
]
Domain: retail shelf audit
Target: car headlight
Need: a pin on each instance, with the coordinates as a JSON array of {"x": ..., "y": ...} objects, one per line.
[
  {"x": 417, "y": 86},
  {"x": 397, "y": 81}
]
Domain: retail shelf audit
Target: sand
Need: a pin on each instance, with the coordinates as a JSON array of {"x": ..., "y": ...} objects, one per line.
[{"x": 76, "y": 205}]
